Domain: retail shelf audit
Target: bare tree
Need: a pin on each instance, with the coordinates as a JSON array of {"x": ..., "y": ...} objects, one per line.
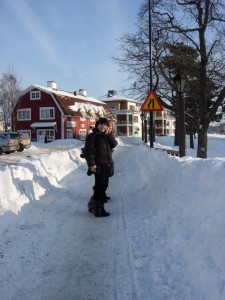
[
  {"x": 199, "y": 24},
  {"x": 9, "y": 90}
]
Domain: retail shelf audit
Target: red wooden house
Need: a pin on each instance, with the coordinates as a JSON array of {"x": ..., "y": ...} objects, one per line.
[{"x": 46, "y": 112}]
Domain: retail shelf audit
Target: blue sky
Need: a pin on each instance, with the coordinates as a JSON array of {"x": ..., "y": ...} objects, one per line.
[{"x": 67, "y": 41}]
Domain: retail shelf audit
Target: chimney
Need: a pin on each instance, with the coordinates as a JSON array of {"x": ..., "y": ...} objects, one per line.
[
  {"x": 52, "y": 85},
  {"x": 111, "y": 93},
  {"x": 83, "y": 92}
]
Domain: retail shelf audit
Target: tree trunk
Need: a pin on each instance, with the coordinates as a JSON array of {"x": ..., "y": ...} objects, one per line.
[
  {"x": 202, "y": 144},
  {"x": 191, "y": 138}
]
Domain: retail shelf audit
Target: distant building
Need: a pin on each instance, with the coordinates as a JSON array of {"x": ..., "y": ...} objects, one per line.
[
  {"x": 126, "y": 111},
  {"x": 164, "y": 122},
  {"x": 50, "y": 113},
  {"x": 2, "y": 125},
  {"x": 128, "y": 116}
]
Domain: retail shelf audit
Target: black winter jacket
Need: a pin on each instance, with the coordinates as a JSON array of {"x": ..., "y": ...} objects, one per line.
[{"x": 98, "y": 148}]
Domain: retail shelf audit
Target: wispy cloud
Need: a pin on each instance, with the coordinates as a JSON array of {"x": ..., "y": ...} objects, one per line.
[{"x": 40, "y": 34}]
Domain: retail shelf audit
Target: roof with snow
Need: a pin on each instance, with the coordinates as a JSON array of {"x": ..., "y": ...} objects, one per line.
[
  {"x": 75, "y": 104},
  {"x": 108, "y": 98}
]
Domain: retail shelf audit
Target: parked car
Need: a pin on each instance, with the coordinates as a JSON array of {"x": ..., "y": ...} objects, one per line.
[
  {"x": 24, "y": 141},
  {"x": 8, "y": 142}
]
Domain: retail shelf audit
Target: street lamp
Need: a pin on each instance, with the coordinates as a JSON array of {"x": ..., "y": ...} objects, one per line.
[{"x": 179, "y": 80}]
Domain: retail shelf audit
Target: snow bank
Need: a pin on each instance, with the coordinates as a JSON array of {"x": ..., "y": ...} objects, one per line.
[{"x": 33, "y": 177}]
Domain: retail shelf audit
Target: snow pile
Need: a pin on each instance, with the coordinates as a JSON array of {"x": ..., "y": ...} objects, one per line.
[
  {"x": 87, "y": 107},
  {"x": 33, "y": 177}
]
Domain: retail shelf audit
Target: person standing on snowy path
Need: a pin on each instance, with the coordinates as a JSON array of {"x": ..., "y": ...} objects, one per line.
[{"x": 98, "y": 154}]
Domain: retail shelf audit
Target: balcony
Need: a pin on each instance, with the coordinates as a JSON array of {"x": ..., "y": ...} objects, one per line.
[
  {"x": 127, "y": 111},
  {"x": 124, "y": 122}
]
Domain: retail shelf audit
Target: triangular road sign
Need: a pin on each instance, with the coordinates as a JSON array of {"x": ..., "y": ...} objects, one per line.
[{"x": 151, "y": 103}]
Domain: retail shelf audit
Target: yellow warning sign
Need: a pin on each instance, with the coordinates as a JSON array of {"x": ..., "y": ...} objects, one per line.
[{"x": 151, "y": 103}]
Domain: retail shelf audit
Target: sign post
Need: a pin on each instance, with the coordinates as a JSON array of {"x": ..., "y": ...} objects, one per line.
[{"x": 151, "y": 121}]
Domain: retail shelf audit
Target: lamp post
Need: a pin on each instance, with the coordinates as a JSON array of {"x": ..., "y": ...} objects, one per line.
[{"x": 179, "y": 80}]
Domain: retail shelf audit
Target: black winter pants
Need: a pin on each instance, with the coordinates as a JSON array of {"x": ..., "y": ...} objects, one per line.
[{"x": 101, "y": 183}]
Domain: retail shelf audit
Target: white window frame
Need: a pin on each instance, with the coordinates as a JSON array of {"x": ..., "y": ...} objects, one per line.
[
  {"x": 83, "y": 134},
  {"x": 49, "y": 133},
  {"x": 35, "y": 95},
  {"x": 69, "y": 133},
  {"x": 47, "y": 113},
  {"x": 24, "y": 114},
  {"x": 135, "y": 119}
]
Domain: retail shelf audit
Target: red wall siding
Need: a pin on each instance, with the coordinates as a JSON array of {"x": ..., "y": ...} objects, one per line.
[
  {"x": 45, "y": 101},
  {"x": 76, "y": 130}
]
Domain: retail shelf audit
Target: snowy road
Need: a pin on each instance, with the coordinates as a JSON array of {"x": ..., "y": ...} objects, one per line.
[{"x": 67, "y": 252}]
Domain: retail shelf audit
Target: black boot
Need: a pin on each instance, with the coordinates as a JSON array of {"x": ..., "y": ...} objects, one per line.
[
  {"x": 92, "y": 205},
  {"x": 100, "y": 211},
  {"x": 106, "y": 198}
]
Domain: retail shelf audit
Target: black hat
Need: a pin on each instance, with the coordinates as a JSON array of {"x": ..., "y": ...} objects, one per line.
[{"x": 103, "y": 121}]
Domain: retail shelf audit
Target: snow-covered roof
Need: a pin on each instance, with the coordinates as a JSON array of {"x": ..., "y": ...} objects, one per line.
[
  {"x": 74, "y": 104},
  {"x": 115, "y": 98},
  {"x": 87, "y": 107},
  {"x": 43, "y": 124},
  {"x": 49, "y": 90}
]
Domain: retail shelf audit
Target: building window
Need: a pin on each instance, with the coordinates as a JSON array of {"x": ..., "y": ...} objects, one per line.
[
  {"x": 135, "y": 119},
  {"x": 24, "y": 114},
  {"x": 47, "y": 113},
  {"x": 43, "y": 134},
  {"x": 69, "y": 133},
  {"x": 82, "y": 135},
  {"x": 71, "y": 124},
  {"x": 35, "y": 95}
]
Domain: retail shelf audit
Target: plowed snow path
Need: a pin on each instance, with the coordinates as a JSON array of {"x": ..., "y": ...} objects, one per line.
[{"x": 69, "y": 253}]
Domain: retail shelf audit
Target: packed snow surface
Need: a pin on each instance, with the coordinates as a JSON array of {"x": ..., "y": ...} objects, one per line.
[{"x": 164, "y": 239}]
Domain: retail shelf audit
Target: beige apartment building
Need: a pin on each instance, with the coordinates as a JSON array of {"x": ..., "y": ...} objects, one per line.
[
  {"x": 126, "y": 111},
  {"x": 128, "y": 116}
]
